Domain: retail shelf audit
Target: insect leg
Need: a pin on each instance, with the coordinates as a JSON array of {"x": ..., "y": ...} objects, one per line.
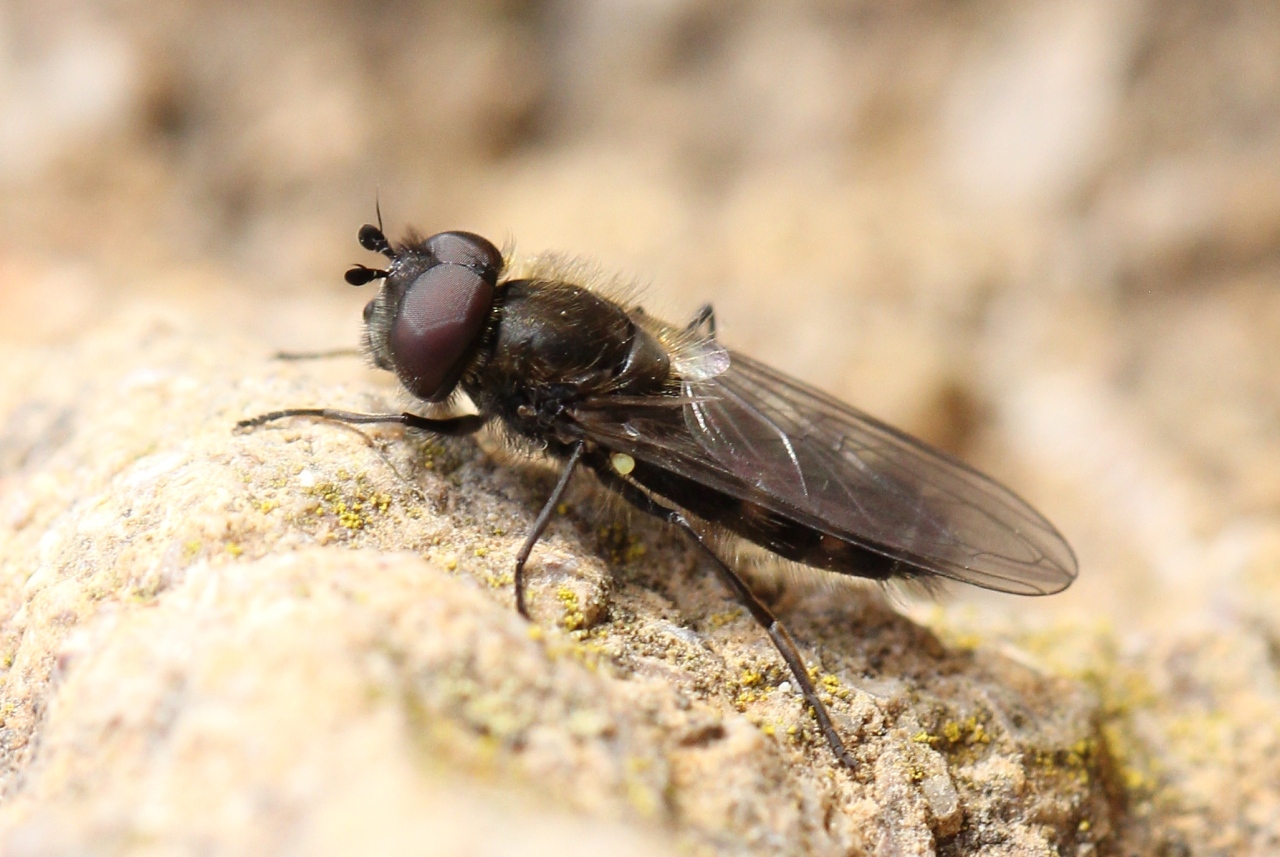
[
  {"x": 318, "y": 355},
  {"x": 759, "y": 611},
  {"x": 706, "y": 314},
  {"x": 454, "y": 426},
  {"x": 541, "y": 524}
]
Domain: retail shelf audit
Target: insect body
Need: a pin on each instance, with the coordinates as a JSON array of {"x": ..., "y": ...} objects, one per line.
[{"x": 685, "y": 430}]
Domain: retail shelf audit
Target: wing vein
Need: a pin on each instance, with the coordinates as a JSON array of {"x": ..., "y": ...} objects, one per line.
[{"x": 752, "y": 433}]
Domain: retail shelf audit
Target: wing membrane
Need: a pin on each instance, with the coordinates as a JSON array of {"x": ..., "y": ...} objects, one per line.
[{"x": 760, "y": 436}]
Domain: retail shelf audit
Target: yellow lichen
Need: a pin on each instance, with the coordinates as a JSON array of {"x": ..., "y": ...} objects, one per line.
[
  {"x": 719, "y": 620},
  {"x": 640, "y": 793},
  {"x": 352, "y": 504},
  {"x": 832, "y": 686},
  {"x": 572, "y": 619}
]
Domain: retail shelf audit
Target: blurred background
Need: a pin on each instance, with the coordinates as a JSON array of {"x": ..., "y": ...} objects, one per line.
[{"x": 1044, "y": 235}]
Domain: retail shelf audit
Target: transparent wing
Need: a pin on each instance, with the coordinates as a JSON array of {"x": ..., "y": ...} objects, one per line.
[{"x": 757, "y": 435}]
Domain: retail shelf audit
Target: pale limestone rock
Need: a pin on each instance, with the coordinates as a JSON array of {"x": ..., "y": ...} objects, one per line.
[{"x": 207, "y": 650}]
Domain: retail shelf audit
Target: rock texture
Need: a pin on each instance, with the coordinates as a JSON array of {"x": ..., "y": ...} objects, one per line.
[
  {"x": 300, "y": 637},
  {"x": 1041, "y": 234}
]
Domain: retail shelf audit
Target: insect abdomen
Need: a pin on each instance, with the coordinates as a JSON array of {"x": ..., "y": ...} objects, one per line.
[{"x": 769, "y": 529}]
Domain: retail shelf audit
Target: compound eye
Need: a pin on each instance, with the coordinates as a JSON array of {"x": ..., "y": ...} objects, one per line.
[
  {"x": 440, "y": 319},
  {"x": 469, "y": 250}
]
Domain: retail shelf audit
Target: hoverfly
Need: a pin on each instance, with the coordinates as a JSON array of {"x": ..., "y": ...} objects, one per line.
[{"x": 686, "y": 430}]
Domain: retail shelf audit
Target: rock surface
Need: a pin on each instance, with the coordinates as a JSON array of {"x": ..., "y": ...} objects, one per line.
[
  {"x": 1043, "y": 235},
  {"x": 300, "y": 637}
]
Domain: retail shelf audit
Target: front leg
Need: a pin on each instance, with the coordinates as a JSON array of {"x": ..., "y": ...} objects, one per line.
[
  {"x": 451, "y": 426},
  {"x": 319, "y": 355}
]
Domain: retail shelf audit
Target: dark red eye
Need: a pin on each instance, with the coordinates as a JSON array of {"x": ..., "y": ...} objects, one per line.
[
  {"x": 440, "y": 318},
  {"x": 466, "y": 249}
]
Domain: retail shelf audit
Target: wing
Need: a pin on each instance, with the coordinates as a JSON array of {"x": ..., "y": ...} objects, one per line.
[{"x": 757, "y": 435}]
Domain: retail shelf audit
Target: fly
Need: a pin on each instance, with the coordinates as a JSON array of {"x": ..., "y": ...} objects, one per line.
[{"x": 686, "y": 430}]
